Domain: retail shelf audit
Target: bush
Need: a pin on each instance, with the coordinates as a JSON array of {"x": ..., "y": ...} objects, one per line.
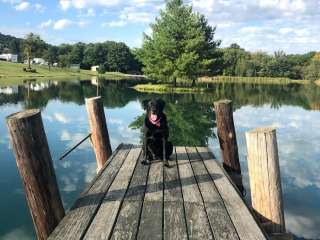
[
  {"x": 102, "y": 69},
  {"x": 30, "y": 70}
]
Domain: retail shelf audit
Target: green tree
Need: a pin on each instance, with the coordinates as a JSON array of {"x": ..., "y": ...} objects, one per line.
[
  {"x": 119, "y": 57},
  {"x": 51, "y": 55},
  {"x": 312, "y": 72},
  {"x": 77, "y": 53},
  {"x": 235, "y": 61},
  {"x": 95, "y": 54},
  {"x": 64, "y": 60},
  {"x": 33, "y": 45},
  {"x": 181, "y": 45}
]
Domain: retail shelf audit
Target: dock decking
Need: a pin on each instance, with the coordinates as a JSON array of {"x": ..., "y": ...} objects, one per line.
[{"x": 193, "y": 199}]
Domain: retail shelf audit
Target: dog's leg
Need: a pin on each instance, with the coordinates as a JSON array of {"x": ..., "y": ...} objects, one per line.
[
  {"x": 145, "y": 153},
  {"x": 164, "y": 156}
]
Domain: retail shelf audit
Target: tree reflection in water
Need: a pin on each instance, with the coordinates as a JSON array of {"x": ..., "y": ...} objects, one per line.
[{"x": 190, "y": 123}]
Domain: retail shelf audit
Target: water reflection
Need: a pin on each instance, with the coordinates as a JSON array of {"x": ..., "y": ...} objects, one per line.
[{"x": 292, "y": 108}]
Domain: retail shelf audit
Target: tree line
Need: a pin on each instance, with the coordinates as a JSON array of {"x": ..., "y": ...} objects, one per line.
[
  {"x": 182, "y": 46},
  {"x": 238, "y": 62},
  {"x": 109, "y": 56}
]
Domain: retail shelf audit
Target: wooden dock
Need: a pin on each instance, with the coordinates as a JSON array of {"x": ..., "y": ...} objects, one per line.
[{"x": 193, "y": 199}]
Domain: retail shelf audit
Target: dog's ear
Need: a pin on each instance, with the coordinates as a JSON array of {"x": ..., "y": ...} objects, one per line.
[
  {"x": 145, "y": 103},
  {"x": 162, "y": 104}
]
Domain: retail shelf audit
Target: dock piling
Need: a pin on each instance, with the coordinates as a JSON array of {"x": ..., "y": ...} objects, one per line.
[
  {"x": 265, "y": 181},
  {"x": 99, "y": 131},
  {"x": 228, "y": 141},
  {"x": 35, "y": 166}
]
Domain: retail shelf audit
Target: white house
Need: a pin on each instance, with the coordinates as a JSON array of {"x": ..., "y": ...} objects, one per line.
[
  {"x": 94, "y": 68},
  {"x": 9, "y": 57},
  {"x": 39, "y": 61}
]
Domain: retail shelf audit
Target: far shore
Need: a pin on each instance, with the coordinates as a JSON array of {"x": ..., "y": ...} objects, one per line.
[{"x": 12, "y": 73}]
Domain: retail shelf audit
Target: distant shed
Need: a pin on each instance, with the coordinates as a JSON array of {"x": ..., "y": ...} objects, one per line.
[{"x": 95, "y": 68}]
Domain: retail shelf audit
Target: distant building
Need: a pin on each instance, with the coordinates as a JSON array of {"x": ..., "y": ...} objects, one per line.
[
  {"x": 75, "y": 66},
  {"x": 94, "y": 68},
  {"x": 39, "y": 61},
  {"x": 9, "y": 57}
]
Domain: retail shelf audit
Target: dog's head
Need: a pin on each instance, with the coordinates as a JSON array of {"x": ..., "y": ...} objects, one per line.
[{"x": 153, "y": 107}]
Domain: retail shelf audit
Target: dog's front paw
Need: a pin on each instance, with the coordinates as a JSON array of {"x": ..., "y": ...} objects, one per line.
[
  {"x": 166, "y": 163},
  {"x": 145, "y": 162}
]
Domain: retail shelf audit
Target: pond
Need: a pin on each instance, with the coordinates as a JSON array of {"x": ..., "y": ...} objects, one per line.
[{"x": 293, "y": 109}]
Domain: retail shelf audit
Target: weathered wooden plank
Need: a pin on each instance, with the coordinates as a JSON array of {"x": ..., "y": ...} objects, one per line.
[
  {"x": 102, "y": 224},
  {"x": 174, "y": 217},
  {"x": 246, "y": 226},
  {"x": 74, "y": 224},
  {"x": 151, "y": 217},
  {"x": 218, "y": 216},
  {"x": 127, "y": 222},
  {"x": 197, "y": 222}
]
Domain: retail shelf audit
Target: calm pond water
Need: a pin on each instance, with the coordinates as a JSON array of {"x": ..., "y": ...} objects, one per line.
[{"x": 293, "y": 109}]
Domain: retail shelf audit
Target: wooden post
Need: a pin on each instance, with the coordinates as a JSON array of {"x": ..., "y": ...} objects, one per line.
[
  {"x": 99, "y": 131},
  {"x": 228, "y": 141},
  {"x": 35, "y": 166},
  {"x": 265, "y": 181}
]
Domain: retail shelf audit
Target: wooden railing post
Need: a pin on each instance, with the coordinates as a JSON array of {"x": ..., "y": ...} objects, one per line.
[
  {"x": 228, "y": 141},
  {"x": 99, "y": 131},
  {"x": 265, "y": 181},
  {"x": 35, "y": 166}
]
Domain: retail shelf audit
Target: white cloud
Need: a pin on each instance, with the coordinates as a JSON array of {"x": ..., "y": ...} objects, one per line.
[
  {"x": 39, "y": 7},
  {"x": 302, "y": 225},
  {"x": 11, "y": 1},
  {"x": 207, "y": 5},
  {"x": 89, "y": 13},
  {"x": 17, "y": 233},
  {"x": 64, "y": 23},
  {"x": 65, "y": 136},
  {"x": 286, "y": 30},
  {"x": 66, "y": 4},
  {"x": 46, "y": 24},
  {"x": 61, "y": 118},
  {"x": 266, "y": 25},
  {"x": 259, "y": 25},
  {"x": 119, "y": 23},
  {"x": 61, "y": 24},
  {"x": 23, "y": 6},
  {"x": 131, "y": 15}
]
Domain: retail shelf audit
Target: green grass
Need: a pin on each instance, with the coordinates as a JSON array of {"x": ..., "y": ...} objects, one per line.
[
  {"x": 166, "y": 88},
  {"x": 253, "y": 80},
  {"x": 12, "y": 73}
]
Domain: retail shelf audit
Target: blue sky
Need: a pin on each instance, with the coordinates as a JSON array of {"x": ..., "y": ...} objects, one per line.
[{"x": 257, "y": 25}]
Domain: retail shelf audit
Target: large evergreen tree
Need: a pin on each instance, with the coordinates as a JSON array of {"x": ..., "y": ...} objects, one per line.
[{"x": 181, "y": 45}]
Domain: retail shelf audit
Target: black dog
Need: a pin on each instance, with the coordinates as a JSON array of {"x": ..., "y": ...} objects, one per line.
[{"x": 156, "y": 132}]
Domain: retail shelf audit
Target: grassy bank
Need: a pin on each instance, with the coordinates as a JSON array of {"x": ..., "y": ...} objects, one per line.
[
  {"x": 251, "y": 80},
  {"x": 13, "y": 73},
  {"x": 166, "y": 88},
  {"x": 317, "y": 82}
]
